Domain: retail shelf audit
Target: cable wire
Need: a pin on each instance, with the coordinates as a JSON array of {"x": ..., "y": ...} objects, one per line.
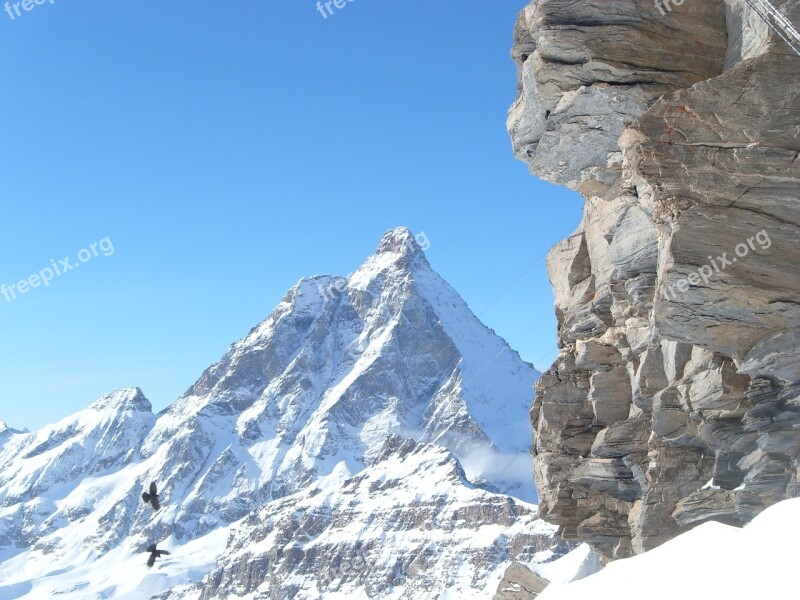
[{"x": 781, "y": 25}]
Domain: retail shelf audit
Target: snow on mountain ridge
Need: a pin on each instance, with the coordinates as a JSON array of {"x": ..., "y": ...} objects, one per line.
[
  {"x": 104, "y": 434},
  {"x": 6, "y": 433},
  {"x": 442, "y": 539},
  {"x": 307, "y": 358},
  {"x": 123, "y": 400},
  {"x": 309, "y": 394}
]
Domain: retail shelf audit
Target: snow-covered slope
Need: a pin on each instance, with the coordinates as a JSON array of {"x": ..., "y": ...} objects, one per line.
[
  {"x": 711, "y": 561},
  {"x": 307, "y": 399},
  {"x": 101, "y": 436},
  {"x": 408, "y": 527},
  {"x": 40, "y": 472},
  {"x": 577, "y": 564},
  {"x": 6, "y": 433}
]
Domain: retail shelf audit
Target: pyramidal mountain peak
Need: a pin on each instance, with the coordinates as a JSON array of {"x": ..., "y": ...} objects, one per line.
[
  {"x": 344, "y": 381},
  {"x": 402, "y": 241},
  {"x": 130, "y": 399}
]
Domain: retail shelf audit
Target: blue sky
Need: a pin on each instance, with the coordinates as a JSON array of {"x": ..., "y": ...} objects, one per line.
[{"x": 228, "y": 149}]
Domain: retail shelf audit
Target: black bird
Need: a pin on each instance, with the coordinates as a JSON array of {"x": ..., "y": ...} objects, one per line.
[
  {"x": 152, "y": 497},
  {"x": 154, "y": 554}
]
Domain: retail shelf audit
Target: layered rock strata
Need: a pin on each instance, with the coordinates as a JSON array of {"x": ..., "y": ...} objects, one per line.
[
  {"x": 520, "y": 583},
  {"x": 675, "y": 397}
]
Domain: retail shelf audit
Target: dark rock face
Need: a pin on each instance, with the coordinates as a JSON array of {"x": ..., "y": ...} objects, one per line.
[{"x": 676, "y": 395}]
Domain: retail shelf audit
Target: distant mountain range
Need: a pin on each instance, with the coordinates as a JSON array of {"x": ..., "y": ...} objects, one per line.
[{"x": 370, "y": 438}]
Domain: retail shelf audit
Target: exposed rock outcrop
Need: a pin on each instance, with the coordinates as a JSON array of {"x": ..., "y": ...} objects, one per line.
[
  {"x": 405, "y": 528},
  {"x": 520, "y": 583},
  {"x": 675, "y": 398}
]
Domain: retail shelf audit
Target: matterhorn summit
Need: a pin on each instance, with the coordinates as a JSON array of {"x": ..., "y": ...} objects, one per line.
[{"x": 369, "y": 438}]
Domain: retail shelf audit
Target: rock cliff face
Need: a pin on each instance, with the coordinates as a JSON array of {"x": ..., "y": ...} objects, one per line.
[{"x": 675, "y": 397}]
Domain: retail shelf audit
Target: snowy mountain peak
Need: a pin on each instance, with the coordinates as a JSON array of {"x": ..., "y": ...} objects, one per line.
[
  {"x": 5, "y": 430},
  {"x": 399, "y": 252},
  {"x": 391, "y": 349},
  {"x": 130, "y": 399},
  {"x": 399, "y": 257},
  {"x": 7, "y": 433},
  {"x": 384, "y": 379},
  {"x": 47, "y": 463},
  {"x": 400, "y": 241}
]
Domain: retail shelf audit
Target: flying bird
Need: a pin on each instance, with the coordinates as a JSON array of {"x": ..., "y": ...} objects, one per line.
[
  {"x": 154, "y": 554},
  {"x": 152, "y": 497}
]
